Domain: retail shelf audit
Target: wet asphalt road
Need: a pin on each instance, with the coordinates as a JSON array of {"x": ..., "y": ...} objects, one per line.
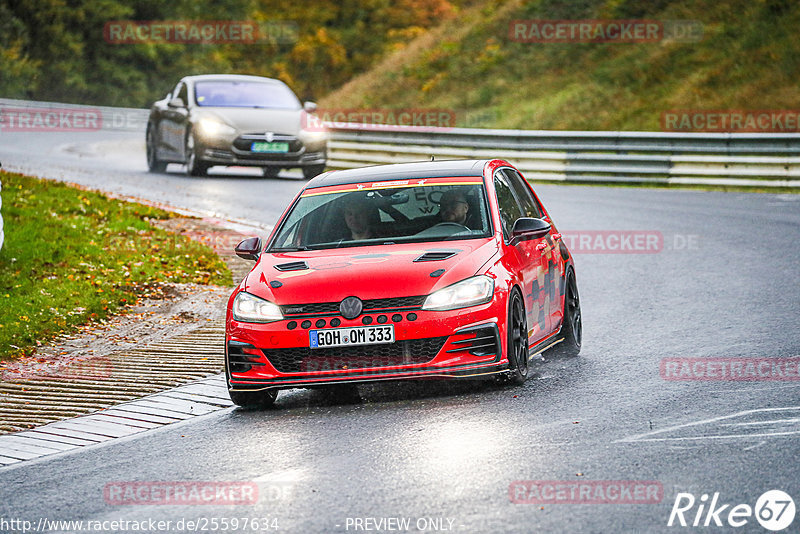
[{"x": 724, "y": 285}]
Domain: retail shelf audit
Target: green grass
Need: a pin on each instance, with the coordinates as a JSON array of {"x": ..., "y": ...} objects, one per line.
[
  {"x": 749, "y": 59},
  {"x": 72, "y": 256}
]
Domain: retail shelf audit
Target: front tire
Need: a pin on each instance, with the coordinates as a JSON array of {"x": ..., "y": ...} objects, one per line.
[
  {"x": 313, "y": 170},
  {"x": 254, "y": 399},
  {"x": 572, "y": 328},
  {"x": 517, "y": 347},
  {"x": 194, "y": 166},
  {"x": 153, "y": 163}
]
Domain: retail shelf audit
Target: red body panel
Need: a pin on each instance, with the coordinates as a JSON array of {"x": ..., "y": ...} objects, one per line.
[{"x": 536, "y": 267}]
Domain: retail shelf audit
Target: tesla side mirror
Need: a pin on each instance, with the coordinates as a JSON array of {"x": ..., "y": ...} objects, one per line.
[
  {"x": 176, "y": 102},
  {"x": 530, "y": 227},
  {"x": 249, "y": 249},
  {"x": 310, "y": 107}
]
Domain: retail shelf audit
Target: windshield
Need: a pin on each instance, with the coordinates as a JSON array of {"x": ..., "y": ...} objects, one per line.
[
  {"x": 352, "y": 217},
  {"x": 231, "y": 94}
]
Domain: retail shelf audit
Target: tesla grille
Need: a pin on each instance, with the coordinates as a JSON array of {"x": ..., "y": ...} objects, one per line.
[
  {"x": 373, "y": 305},
  {"x": 304, "y": 359},
  {"x": 245, "y": 141}
]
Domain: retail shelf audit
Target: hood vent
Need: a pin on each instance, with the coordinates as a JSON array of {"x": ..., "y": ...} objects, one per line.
[
  {"x": 437, "y": 255},
  {"x": 292, "y": 266}
]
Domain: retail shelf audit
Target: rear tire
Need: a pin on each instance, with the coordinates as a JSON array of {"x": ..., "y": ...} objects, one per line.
[
  {"x": 517, "y": 340},
  {"x": 153, "y": 163},
  {"x": 313, "y": 170},
  {"x": 194, "y": 167},
  {"x": 572, "y": 328},
  {"x": 254, "y": 399}
]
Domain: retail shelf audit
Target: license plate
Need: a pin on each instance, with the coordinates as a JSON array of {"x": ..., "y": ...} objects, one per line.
[
  {"x": 357, "y": 335},
  {"x": 274, "y": 147}
]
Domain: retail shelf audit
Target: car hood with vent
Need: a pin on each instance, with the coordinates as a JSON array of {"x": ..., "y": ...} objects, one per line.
[{"x": 368, "y": 272}]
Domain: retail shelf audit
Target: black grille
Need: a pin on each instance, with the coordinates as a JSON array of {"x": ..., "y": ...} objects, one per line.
[
  {"x": 292, "y": 266},
  {"x": 304, "y": 359},
  {"x": 241, "y": 362},
  {"x": 483, "y": 341},
  {"x": 372, "y": 305},
  {"x": 437, "y": 256}
]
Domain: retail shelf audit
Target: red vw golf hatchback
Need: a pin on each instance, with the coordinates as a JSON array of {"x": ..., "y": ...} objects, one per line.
[{"x": 437, "y": 269}]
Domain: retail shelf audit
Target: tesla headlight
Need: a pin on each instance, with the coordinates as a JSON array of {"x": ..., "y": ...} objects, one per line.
[
  {"x": 314, "y": 136},
  {"x": 469, "y": 292},
  {"x": 249, "y": 308},
  {"x": 213, "y": 128}
]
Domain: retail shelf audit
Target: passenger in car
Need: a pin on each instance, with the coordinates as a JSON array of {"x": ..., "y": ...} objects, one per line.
[{"x": 361, "y": 217}]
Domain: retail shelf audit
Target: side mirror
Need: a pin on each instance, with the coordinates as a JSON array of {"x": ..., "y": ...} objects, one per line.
[
  {"x": 310, "y": 107},
  {"x": 249, "y": 249},
  {"x": 176, "y": 102},
  {"x": 529, "y": 228}
]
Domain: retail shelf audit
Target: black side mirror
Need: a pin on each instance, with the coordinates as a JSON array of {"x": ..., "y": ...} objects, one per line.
[
  {"x": 176, "y": 102},
  {"x": 529, "y": 228},
  {"x": 249, "y": 249}
]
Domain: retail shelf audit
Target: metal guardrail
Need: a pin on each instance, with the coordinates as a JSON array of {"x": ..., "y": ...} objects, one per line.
[
  {"x": 763, "y": 160},
  {"x": 729, "y": 159}
]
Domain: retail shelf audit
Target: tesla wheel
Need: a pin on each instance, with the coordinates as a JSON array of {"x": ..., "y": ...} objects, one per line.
[
  {"x": 572, "y": 330},
  {"x": 271, "y": 172},
  {"x": 517, "y": 340},
  {"x": 313, "y": 170},
  {"x": 254, "y": 399},
  {"x": 153, "y": 163},
  {"x": 194, "y": 167}
]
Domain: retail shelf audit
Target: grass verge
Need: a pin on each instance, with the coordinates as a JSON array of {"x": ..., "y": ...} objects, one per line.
[{"x": 73, "y": 256}]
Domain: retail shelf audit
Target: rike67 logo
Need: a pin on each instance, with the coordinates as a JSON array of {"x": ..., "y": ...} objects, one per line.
[{"x": 774, "y": 511}]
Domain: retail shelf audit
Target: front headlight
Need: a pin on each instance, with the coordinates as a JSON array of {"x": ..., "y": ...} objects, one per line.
[
  {"x": 313, "y": 136},
  {"x": 469, "y": 292},
  {"x": 213, "y": 128},
  {"x": 249, "y": 308}
]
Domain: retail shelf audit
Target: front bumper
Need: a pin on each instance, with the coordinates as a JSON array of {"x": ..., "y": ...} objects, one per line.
[{"x": 429, "y": 344}]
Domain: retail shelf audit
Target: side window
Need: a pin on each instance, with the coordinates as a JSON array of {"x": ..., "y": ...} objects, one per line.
[
  {"x": 530, "y": 208},
  {"x": 509, "y": 208},
  {"x": 183, "y": 94}
]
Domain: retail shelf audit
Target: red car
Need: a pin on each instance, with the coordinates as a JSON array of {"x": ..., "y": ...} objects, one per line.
[{"x": 418, "y": 270}]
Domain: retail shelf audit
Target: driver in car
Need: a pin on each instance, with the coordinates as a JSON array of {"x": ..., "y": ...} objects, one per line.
[{"x": 453, "y": 207}]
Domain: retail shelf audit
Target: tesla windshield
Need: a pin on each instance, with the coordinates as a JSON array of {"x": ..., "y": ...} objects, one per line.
[
  {"x": 404, "y": 214},
  {"x": 230, "y": 94}
]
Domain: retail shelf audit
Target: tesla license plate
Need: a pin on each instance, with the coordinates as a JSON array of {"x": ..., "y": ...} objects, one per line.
[
  {"x": 275, "y": 147},
  {"x": 358, "y": 335}
]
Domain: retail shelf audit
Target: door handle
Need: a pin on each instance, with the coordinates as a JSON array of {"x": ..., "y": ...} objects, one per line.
[
  {"x": 541, "y": 246},
  {"x": 556, "y": 237}
]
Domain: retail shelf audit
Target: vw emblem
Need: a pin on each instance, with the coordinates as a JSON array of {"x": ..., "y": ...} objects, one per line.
[
  {"x": 269, "y": 136},
  {"x": 351, "y": 307}
]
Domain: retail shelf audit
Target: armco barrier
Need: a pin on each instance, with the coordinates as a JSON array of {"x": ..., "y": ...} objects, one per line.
[{"x": 738, "y": 159}]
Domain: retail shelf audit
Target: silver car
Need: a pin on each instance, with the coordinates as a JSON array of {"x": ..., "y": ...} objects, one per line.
[{"x": 227, "y": 119}]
